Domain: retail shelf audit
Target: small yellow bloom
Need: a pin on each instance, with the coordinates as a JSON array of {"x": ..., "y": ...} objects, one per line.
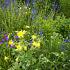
[
  {"x": 36, "y": 44},
  {"x": 25, "y": 48},
  {"x": 10, "y": 42},
  {"x": 18, "y": 47},
  {"x": 34, "y": 36},
  {"x": 6, "y": 58},
  {"x": 21, "y": 33}
]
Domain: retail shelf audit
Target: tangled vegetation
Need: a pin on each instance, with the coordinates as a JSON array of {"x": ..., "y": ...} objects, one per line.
[{"x": 34, "y": 37}]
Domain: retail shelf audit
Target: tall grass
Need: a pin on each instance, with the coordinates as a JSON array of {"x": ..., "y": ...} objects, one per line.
[{"x": 14, "y": 17}]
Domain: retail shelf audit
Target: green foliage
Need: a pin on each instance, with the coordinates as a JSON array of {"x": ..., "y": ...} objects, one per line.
[
  {"x": 34, "y": 44},
  {"x": 54, "y": 51},
  {"x": 65, "y": 7}
]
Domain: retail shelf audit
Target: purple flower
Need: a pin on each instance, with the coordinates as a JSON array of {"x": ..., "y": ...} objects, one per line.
[
  {"x": 3, "y": 40},
  {"x": 16, "y": 37},
  {"x": 6, "y": 38},
  {"x": 1, "y": 43}
]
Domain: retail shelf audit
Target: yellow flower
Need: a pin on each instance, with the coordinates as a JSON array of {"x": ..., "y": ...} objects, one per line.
[
  {"x": 6, "y": 58},
  {"x": 10, "y": 42},
  {"x": 36, "y": 44},
  {"x": 25, "y": 48},
  {"x": 21, "y": 33},
  {"x": 34, "y": 36},
  {"x": 18, "y": 47}
]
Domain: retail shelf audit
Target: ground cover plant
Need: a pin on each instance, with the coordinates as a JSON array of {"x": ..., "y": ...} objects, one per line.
[{"x": 34, "y": 37}]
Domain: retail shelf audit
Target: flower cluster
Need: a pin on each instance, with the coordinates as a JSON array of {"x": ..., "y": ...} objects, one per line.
[
  {"x": 35, "y": 43},
  {"x": 19, "y": 41}
]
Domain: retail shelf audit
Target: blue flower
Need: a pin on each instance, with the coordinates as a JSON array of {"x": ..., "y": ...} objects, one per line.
[{"x": 66, "y": 40}]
